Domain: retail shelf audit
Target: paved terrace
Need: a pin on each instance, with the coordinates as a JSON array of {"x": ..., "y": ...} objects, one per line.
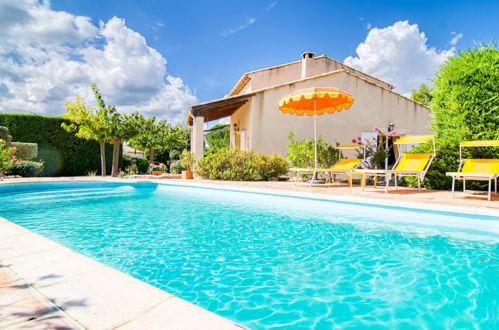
[{"x": 44, "y": 285}]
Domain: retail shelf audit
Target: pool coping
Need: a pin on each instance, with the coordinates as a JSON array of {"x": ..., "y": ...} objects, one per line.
[
  {"x": 317, "y": 195},
  {"x": 95, "y": 291},
  {"x": 412, "y": 206},
  {"x": 91, "y": 295}
]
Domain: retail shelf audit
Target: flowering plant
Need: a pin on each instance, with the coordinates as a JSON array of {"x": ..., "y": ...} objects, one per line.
[
  {"x": 375, "y": 151},
  {"x": 7, "y": 156},
  {"x": 157, "y": 167}
]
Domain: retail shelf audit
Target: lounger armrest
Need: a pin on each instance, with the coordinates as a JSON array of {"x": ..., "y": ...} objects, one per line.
[
  {"x": 476, "y": 175},
  {"x": 308, "y": 169},
  {"x": 367, "y": 171},
  {"x": 404, "y": 172}
]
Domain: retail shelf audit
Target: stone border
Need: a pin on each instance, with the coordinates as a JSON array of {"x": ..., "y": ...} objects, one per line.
[
  {"x": 339, "y": 198},
  {"x": 93, "y": 295}
]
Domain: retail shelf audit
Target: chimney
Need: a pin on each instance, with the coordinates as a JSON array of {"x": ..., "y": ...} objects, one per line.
[{"x": 306, "y": 59}]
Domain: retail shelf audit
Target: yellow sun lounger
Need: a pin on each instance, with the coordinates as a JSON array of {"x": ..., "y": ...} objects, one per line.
[
  {"x": 416, "y": 165},
  {"x": 343, "y": 166},
  {"x": 476, "y": 169}
]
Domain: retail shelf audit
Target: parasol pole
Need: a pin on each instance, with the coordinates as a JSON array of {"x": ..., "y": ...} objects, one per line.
[
  {"x": 315, "y": 133},
  {"x": 314, "y": 176}
]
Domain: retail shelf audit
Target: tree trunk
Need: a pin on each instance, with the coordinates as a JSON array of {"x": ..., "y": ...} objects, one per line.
[
  {"x": 103, "y": 170},
  {"x": 116, "y": 157},
  {"x": 151, "y": 155}
]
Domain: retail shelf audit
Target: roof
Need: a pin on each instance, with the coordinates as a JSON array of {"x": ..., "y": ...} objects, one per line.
[
  {"x": 225, "y": 107},
  {"x": 246, "y": 77}
]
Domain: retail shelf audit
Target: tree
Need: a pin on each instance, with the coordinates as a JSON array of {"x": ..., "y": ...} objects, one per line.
[
  {"x": 153, "y": 135},
  {"x": 218, "y": 137},
  {"x": 422, "y": 95},
  {"x": 118, "y": 127},
  {"x": 123, "y": 127},
  {"x": 465, "y": 106},
  {"x": 88, "y": 123},
  {"x": 177, "y": 140},
  {"x": 465, "y": 100}
]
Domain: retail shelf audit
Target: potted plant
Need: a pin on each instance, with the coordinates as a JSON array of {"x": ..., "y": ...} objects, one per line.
[
  {"x": 157, "y": 169},
  {"x": 188, "y": 159}
]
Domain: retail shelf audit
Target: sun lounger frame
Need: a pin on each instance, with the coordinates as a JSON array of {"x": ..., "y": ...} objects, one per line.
[
  {"x": 474, "y": 176},
  {"x": 330, "y": 170}
]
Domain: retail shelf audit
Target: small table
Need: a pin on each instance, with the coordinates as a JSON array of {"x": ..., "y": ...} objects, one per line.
[{"x": 363, "y": 173}]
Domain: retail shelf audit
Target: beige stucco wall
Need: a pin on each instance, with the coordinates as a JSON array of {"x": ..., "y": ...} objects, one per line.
[
  {"x": 374, "y": 106},
  {"x": 243, "y": 120}
]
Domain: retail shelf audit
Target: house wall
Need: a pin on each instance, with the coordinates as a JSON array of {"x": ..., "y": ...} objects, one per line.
[
  {"x": 242, "y": 118},
  {"x": 373, "y": 106}
]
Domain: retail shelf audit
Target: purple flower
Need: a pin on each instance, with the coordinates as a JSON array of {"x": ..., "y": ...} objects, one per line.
[
  {"x": 353, "y": 140},
  {"x": 375, "y": 129}
]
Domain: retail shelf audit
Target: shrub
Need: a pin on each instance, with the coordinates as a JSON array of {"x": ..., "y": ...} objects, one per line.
[
  {"x": 240, "y": 165},
  {"x": 229, "y": 164},
  {"x": 141, "y": 165},
  {"x": 273, "y": 166},
  {"x": 7, "y": 157},
  {"x": 27, "y": 169},
  {"x": 26, "y": 151},
  {"x": 176, "y": 166},
  {"x": 62, "y": 153},
  {"x": 5, "y": 135},
  {"x": 301, "y": 153}
]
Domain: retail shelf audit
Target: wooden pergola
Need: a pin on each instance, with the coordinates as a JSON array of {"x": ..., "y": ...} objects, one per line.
[
  {"x": 217, "y": 109},
  {"x": 201, "y": 113}
]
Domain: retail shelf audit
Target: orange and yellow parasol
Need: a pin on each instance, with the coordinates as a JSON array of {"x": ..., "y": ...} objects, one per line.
[{"x": 315, "y": 101}]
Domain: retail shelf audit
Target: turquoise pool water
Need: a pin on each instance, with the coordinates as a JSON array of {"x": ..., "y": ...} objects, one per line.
[{"x": 269, "y": 261}]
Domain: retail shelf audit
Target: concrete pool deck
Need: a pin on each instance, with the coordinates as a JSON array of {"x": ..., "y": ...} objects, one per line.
[{"x": 46, "y": 285}]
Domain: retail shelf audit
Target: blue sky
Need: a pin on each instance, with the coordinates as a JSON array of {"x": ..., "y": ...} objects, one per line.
[
  {"x": 160, "y": 56},
  {"x": 194, "y": 35}
]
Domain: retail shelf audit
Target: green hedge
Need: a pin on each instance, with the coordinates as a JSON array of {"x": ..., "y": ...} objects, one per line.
[{"x": 62, "y": 153}]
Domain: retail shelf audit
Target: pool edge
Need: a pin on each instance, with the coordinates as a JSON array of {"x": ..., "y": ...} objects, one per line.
[
  {"x": 227, "y": 186},
  {"x": 95, "y": 295}
]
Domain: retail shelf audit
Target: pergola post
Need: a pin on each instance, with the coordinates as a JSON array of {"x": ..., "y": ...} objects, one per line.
[{"x": 197, "y": 136}]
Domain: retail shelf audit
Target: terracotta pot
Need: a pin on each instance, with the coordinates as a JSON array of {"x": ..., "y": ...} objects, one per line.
[
  {"x": 186, "y": 175},
  {"x": 157, "y": 172}
]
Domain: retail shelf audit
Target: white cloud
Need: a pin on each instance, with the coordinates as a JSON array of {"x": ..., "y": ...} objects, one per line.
[
  {"x": 456, "y": 38},
  {"x": 47, "y": 57},
  {"x": 238, "y": 28},
  {"x": 250, "y": 21},
  {"x": 399, "y": 54}
]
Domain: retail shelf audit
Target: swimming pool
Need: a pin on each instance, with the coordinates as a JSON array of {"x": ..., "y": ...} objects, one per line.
[{"x": 266, "y": 261}]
